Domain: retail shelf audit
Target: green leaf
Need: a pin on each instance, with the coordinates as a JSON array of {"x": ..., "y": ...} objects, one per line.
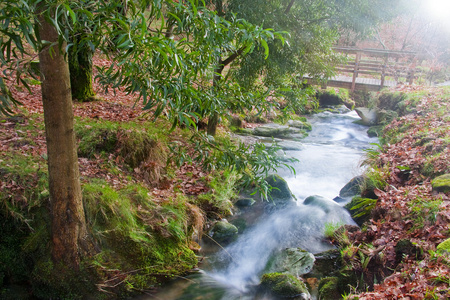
[
  {"x": 266, "y": 48},
  {"x": 71, "y": 13}
]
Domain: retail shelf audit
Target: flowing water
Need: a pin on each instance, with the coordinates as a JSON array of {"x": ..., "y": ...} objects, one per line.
[{"x": 329, "y": 157}]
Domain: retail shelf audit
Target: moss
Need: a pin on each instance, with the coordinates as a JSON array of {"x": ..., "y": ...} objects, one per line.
[
  {"x": 283, "y": 285},
  {"x": 328, "y": 288},
  {"x": 141, "y": 241},
  {"x": 224, "y": 232},
  {"x": 81, "y": 75},
  {"x": 441, "y": 184},
  {"x": 134, "y": 145},
  {"x": 50, "y": 281},
  {"x": 444, "y": 246},
  {"x": 218, "y": 201},
  {"x": 375, "y": 131},
  {"x": 280, "y": 190}
]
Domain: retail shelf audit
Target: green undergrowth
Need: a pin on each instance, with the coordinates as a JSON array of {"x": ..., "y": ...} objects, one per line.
[
  {"x": 140, "y": 242},
  {"x": 134, "y": 142},
  {"x": 217, "y": 201}
]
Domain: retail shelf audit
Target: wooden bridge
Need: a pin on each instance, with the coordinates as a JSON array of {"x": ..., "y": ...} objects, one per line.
[{"x": 371, "y": 69}]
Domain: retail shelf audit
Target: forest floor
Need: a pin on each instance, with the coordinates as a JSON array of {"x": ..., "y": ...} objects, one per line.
[{"x": 415, "y": 149}]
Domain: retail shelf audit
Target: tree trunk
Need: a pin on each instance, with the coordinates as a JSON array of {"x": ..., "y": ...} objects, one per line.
[
  {"x": 81, "y": 75},
  {"x": 213, "y": 119},
  {"x": 68, "y": 228}
]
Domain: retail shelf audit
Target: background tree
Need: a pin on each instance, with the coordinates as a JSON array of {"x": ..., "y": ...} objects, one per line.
[{"x": 314, "y": 28}]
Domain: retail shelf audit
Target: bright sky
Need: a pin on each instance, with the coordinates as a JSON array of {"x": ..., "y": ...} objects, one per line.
[{"x": 440, "y": 10}]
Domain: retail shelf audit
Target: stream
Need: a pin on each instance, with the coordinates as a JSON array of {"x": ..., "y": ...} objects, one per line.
[{"x": 328, "y": 158}]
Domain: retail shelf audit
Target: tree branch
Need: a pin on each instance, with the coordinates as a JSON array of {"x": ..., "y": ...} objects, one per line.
[{"x": 288, "y": 8}]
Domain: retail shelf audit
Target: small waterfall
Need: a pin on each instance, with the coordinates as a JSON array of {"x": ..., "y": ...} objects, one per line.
[{"x": 329, "y": 158}]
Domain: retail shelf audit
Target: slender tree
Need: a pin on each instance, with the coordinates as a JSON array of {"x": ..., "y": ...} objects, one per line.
[{"x": 68, "y": 226}]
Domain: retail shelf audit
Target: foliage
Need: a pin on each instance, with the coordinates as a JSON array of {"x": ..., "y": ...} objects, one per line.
[
  {"x": 135, "y": 144},
  {"x": 222, "y": 191},
  {"x": 363, "y": 206},
  {"x": 253, "y": 162},
  {"x": 283, "y": 285},
  {"x": 330, "y": 228}
]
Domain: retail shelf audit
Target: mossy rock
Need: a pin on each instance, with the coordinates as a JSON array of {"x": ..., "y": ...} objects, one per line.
[
  {"x": 375, "y": 131},
  {"x": 326, "y": 263},
  {"x": 441, "y": 184},
  {"x": 352, "y": 188},
  {"x": 240, "y": 223},
  {"x": 386, "y": 116},
  {"x": 328, "y": 98},
  {"x": 236, "y": 121},
  {"x": 245, "y": 202},
  {"x": 280, "y": 192},
  {"x": 284, "y": 286},
  {"x": 444, "y": 247},
  {"x": 294, "y": 261},
  {"x": 368, "y": 116},
  {"x": 329, "y": 288},
  {"x": 404, "y": 248},
  {"x": 272, "y": 130},
  {"x": 300, "y": 124},
  {"x": 224, "y": 232},
  {"x": 327, "y": 205}
]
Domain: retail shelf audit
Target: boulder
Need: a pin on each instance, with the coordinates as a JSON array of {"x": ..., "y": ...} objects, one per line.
[
  {"x": 272, "y": 130},
  {"x": 352, "y": 188},
  {"x": 280, "y": 192},
  {"x": 328, "y": 99},
  {"x": 236, "y": 121},
  {"x": 441, "y": 184},
  {"x": 326, "y": 263},
  {"x": 290, "y": 145},
  {"x": 368, "y": 116},
  {"x": 325, "y": 204},
  {"x": 375, "y": 131},
  {"x": 284, "y": 286},
  {"x": 329, "y": 288},
  {"x": 224, "y": 232},
  {"x": 245, "y": 202},
  {"x": 294, "y": 261},
  {"x": 299, "y": 124},
  {"x": 279, "y": 131}
]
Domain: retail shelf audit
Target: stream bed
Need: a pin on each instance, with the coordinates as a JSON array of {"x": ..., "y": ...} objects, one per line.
[{"x": 328, "y": 158}]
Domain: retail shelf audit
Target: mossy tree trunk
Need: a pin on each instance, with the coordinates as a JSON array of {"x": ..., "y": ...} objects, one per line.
[
  {"x": 81, "y": 74},
  {"x": 213, "y": 119},
  {"x": 68, "y": 224}
]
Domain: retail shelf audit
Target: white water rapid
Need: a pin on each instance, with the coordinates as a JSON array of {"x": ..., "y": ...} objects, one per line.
[{"x": 329, "y": 157}]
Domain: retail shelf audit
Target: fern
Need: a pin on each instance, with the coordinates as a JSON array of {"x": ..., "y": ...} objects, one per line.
[{"x": 363, "y": 206}]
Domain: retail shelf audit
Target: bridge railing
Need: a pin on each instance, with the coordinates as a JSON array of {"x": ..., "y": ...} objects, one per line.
[{"x": 378, "y": 64}]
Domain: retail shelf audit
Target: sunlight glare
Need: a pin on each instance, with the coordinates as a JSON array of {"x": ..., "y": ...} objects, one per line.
[{"x": 439, "y": 10}]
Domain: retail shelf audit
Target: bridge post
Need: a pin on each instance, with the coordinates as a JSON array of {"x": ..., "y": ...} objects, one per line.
[
  {"x": 355, "y": 70},
  {"x": 383, "y": 69}
]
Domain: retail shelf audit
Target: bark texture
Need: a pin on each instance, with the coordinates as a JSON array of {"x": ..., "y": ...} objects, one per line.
[{"x": 68, "y": 226}]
